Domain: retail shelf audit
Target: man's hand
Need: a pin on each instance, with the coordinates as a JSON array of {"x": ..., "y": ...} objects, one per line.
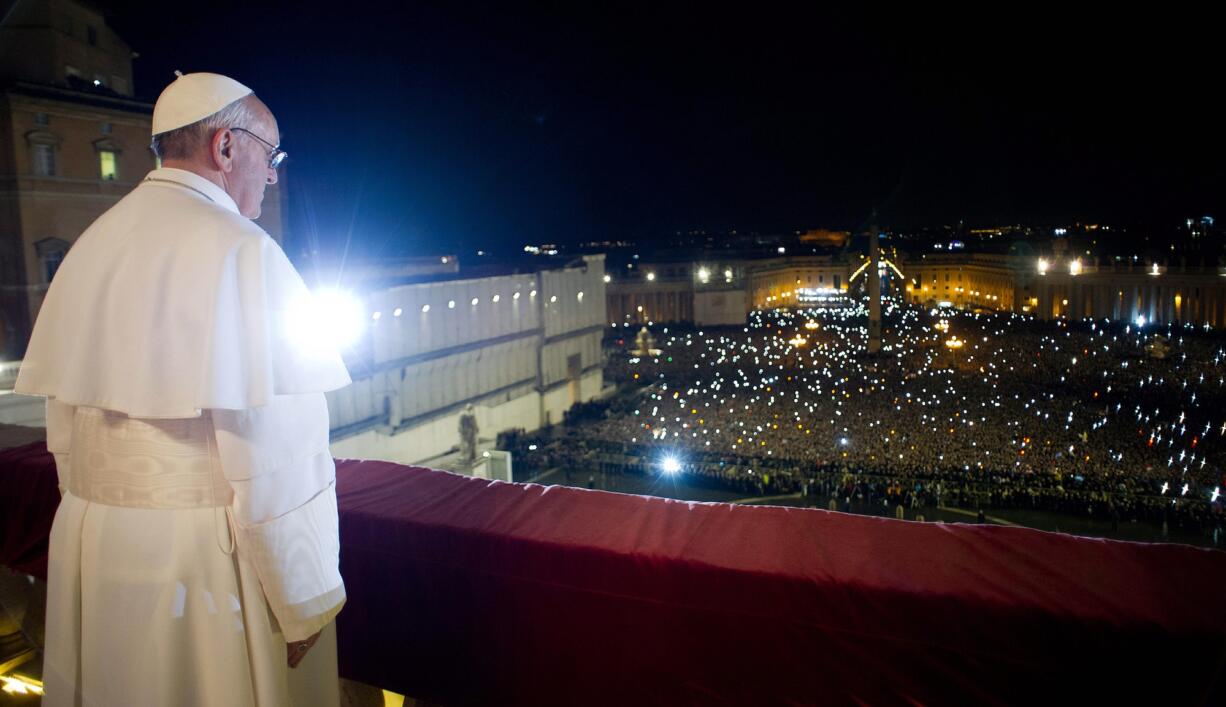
[{"x": 295, "y": 651}]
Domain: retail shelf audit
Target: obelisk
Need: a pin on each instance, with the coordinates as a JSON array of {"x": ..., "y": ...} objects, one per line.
[{"x": 874, "y": 290}]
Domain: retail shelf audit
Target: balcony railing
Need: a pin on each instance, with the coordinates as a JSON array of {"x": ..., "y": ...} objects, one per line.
[{"x": 467, "y": 591}]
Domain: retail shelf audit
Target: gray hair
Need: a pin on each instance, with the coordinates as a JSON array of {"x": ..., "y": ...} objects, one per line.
[{"x": 182, "y": 143}]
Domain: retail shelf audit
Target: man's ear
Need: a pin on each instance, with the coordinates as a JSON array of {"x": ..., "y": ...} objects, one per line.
[{"x": 221, "y": 150}]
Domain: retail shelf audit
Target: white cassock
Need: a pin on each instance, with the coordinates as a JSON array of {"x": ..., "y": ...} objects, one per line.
[{"x": 185, "y": 407}]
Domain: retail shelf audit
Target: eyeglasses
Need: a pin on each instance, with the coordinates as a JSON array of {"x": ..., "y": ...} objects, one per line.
[{"x": 275, "y": 154}]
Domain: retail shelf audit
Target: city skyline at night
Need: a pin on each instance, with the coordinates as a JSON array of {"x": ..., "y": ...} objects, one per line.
[{"x": 421, "y": 129}]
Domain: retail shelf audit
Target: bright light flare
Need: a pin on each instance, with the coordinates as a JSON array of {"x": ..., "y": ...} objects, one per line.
[
  {"x": 324, "y": 319},
  {"x": 20, "y": 685},
  {"x": 670, "y": 465}
]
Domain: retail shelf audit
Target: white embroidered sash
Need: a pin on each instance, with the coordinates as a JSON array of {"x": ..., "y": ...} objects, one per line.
[{"x": 145, "y": 463}]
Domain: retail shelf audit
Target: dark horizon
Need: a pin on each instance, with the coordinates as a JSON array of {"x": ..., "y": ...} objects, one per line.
[{"x": 421, "y": 129}]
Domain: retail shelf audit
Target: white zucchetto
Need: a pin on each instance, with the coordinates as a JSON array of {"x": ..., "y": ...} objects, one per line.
[{"x": 193, "y": 97}]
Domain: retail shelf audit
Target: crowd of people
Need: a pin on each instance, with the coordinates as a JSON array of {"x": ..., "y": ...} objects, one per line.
[{"x": 958, "y": 409}]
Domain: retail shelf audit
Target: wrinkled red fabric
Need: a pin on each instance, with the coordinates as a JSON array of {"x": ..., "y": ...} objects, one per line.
[
  {"x": 467, "y": 591},
  {"x": 29, "y": 495}
]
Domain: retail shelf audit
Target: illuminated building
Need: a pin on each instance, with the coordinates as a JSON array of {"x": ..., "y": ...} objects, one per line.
[
  {"x": 1046, "y": 286},
  {"x": 1053, "y": 287},
  {"x": 732, "y": 288},
  {"x": 522, "y": 348},
  {"x": 967, "y": 280}
]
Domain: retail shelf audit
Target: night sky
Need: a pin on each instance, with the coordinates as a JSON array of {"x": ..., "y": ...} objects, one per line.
[{"x": 426, "y": 129}]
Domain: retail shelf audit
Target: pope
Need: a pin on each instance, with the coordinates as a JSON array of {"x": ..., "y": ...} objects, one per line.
[{"x": 194, "y": 557}]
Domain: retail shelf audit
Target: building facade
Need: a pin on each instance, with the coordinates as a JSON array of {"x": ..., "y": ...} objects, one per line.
[
  {"x": 521, "y": 348},
  {"x": 1050, "y": 287},
  {"x": 1047, "y": 287},
  {"x": 712, "y": 292},
  {"x": 970, "y": 280}
]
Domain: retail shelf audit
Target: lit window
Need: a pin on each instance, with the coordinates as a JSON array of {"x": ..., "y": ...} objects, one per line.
[
  {"x": 106, "y": 161},
  {"x": 497, "y": 297},
  {"x": 579, "y": 296},
  {"x": 425, "y": 308},
  {"x": 532, "y": 293},
  {"x": 397, "y": 312},
  {"x": 515, "y": 296},
  {"x": 450, "y": 304},
  {"x": 474, "y": 302},
  {"x": 553, "y": 298}
]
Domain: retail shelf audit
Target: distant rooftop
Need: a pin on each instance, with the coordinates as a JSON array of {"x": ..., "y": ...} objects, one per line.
[{"x": 383, "y": 273}]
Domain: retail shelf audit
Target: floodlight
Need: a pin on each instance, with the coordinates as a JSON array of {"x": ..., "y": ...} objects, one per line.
[{"x": 326, "y": 318}]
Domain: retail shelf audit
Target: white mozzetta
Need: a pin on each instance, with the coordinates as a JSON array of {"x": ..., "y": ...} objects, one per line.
[{"x": 171, "y": 303}]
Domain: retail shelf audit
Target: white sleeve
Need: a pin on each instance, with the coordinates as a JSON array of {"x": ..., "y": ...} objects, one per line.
[
  {"x": 59, "y": 437},
  {"x": 277, "y": 461}
]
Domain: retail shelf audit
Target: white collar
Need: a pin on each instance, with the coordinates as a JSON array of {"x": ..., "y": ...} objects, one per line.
[{"x": 194, "y": 182}]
